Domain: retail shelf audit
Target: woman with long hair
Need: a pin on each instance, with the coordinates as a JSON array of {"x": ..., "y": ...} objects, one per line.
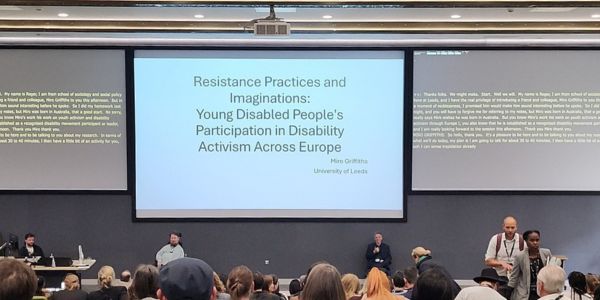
[
  {"x": 323, "y": 282},
  {"x": 240, "y": 283},
  {"x": 377, "y": 287},
  {"x": 351, "y": 286},
  {"x": 145, "y": 283}
]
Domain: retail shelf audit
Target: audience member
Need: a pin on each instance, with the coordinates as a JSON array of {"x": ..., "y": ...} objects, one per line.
[
  {"x": 489, "y": 281},
  {"x": 125, "y": 279},
  {"x": 186, "y": 279},
  {"x": 40, "y": 294},
  {"x": 398, "y": 283},
  {"x": 323, "y": 282},
  {"x": 526, "y": 267},
  {"x": 17, "y": 280},
  {"x": 72, "y": 290},
  {"x": 30, "y": 249},
  {"x": 378, "y": 254},
  {"x": 377, "y": 286},
  {"x": 410, "y": 278},
  {"x": 106, "y": 275},
  {"x": 424, "y": 262},
  {"x": 221, "y": 291},
  {"x": 275, "y": 288},
  {"x": 240, "y": 283},
  {"x": 433, "y": 284},
  {"x": 261, "y": 292},
  {"x": 295, "y": 288},
  {"x": 351, "y": 286},
  {"x": 171, "y": 251},
  {"x": 550, "y": 282},
  {"x": 145, "y": 283},
  {"x": 578, "y": 286},
  {"x": 597, "y": 294},
  {"x": 592, "y": 282}
]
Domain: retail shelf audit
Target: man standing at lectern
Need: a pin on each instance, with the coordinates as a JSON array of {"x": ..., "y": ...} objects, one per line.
[
  {"x": 379, "y": 255},
  {"x": 30, "y": 249}
]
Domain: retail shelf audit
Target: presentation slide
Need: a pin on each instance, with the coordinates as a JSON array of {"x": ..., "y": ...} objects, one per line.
[
  {"x": 506, "y": 120},
  {"x": 62, "y": 120},
  {"x": 277, "y": 134}
]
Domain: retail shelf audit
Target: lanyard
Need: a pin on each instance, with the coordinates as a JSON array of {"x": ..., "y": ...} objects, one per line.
[{"x": 511, "y": 250}]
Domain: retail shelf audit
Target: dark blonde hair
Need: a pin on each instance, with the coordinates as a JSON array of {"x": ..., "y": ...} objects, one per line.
[
  {"x": 106, "y": 274},
  {"x": 71, "y": 282},
  {"x": 351, "y": 285},
  {"x": 240, "y": 282},
  {"x": 323, "y": 282},
  {"x": 218, "y": 283}
]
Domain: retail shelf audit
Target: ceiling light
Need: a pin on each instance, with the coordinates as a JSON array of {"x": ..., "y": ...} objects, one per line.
[
  {"x": 596, "y": 16},
  {"x": 63, "y": 15},
  {"x": 199, "y": 16},
  {"x": 327, "y": 17},
  {"x": 455, "y": 16}
]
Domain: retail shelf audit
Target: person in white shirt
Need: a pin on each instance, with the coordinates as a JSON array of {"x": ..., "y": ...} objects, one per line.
[
  {"x": 550, "y": 283},
  {"x": 488, "y": 284},
  {"x": 170, "y": 251}
]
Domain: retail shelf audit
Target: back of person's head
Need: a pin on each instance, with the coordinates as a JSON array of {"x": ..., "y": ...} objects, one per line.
[
  {"x": 106, "y": 274},
  {"x": 259, "y": 280},
  {"x": 145, "y": 282},
  {"x": 323, "y": 282},
  {"x": 310, "y": 269},
  {"x": 17, "y": 280},
  {"x": 275, "y": 283},
  {"x": 295, "y": 287},
  {"x": 597, "y": 294},
  {"x": 411, "y": 274},
  {"x": 186, "y": 278},
  {"x": 218, "y": 283},
  {"x": 398, "y": 279},
  {"x": 41, "y": 284},
  {"x": 71, "y": 282},
  {"x": 553, "y": 279},
  {"x": 420, "y": 251},
  {"x": 125, "y": 276},
  {"x": 240, "y": 282},
  {"x": 267, "y": 282},
  {"x": 351, "y": 285},
  {"x": 378, "y": 285},
  {"x": 433, "y": 285},
  {"x": 577, "y": 283},
  {"x": 592, "y": 282}
]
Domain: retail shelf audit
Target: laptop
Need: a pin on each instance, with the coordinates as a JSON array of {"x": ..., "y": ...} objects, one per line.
[{"x": 59, "y": 261}]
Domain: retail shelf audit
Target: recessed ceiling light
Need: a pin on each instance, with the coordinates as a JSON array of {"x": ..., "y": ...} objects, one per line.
[
  {"x": 199, "y": 16},
  {"x": 596, "y": 16},
  {"x": 455, "y": 16},
  {"x": 63, "y": 15},
  {"x": 327, "y": 17}
]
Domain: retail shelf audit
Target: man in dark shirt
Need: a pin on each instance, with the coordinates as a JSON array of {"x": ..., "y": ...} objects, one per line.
[
  {"x": 379, "y": 255},
  {"x": 30, "y": 249}
]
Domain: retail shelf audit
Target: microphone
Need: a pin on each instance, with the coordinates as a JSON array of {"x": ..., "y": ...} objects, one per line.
[{"x": 3, "y": 246}]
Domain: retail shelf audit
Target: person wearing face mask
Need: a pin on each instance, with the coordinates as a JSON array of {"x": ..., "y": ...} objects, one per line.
[{"x": 527, "y": 265}]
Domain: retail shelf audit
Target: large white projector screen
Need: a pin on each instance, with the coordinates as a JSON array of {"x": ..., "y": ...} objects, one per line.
[
  {"x": 62, "y": 120},
  {"x": 276, "y": 134},
  {"x": 506, "y": 120}
]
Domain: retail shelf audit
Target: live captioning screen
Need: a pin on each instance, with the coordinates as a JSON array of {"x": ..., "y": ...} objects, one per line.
[
  {"x": 62, "y": 120},
  {"x": 506, "y": 120},
  {"x": 259, "y": 133}
]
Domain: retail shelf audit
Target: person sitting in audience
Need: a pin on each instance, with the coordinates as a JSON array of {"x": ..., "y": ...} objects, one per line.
[
  {"x": 398, "y": 283},
  {"x": 17, "y": 280},
  {"x": 40, "y": 294},
  {"x": 526, "y": 267},
  {"x": 489, "y": 282},
  {"x": 592, "y": 282},
  {"x": 424, "y": 262},
  {"x": 351, "y": 286},
  {"x": 171, "y": 251},
  {"x": 30, "y": 249},
  {"x": 550, "y": 283},
  {"x": 145, "y": 283},
  {"x": 72, "y": 289},
  {"x": 295, "y": 288},
  {"x": 323, "y": 282},
  {"x": 240, "y": 283},
  {"x": 597, "y": 294},
  {"x": 186, "y": 278},
  {"x": 275, "y": 288},
  {"x": 262, "y": 285},
  {"x": 377, "y": 287},
  {"x": 106, "y": 275},
  {"x": 433, "y": 284},
  {"x": 410, "y": 278},
  {"x": 221, "y": 291},
  {"x": 125, "y": 279},
  {"x": 578, "y": 286}
]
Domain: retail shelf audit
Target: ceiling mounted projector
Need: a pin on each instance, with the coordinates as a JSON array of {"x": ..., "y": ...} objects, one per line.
[{"x": 271, "y": 25}]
